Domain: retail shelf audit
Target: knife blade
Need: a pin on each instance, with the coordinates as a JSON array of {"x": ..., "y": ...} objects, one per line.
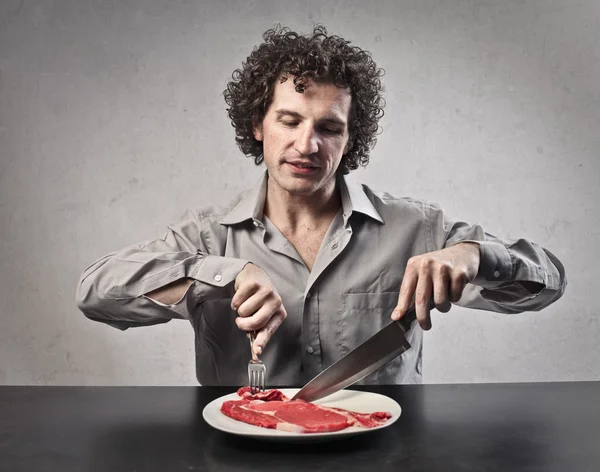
[{"x": 374, "y": 353}]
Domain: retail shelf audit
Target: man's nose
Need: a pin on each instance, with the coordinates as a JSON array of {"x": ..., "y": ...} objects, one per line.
[{"x": 307, "y": 141}]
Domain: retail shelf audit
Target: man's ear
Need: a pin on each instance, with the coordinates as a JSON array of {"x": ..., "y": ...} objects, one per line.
[{"x": 257, "y": 130}]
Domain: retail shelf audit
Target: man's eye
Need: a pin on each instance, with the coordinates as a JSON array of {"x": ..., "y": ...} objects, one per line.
[
  {"x": 290, "y": 124},
  {"x": 332, "y": 130}
]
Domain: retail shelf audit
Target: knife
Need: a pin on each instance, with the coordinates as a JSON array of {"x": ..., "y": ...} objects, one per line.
[{"x": 375, "y": 352}]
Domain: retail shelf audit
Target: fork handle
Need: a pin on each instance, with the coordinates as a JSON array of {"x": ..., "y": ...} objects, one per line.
[{"x": 252, "y": 336}]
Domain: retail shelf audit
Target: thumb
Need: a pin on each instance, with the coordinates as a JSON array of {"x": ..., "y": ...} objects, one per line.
[{"x": 266, "y": 332}]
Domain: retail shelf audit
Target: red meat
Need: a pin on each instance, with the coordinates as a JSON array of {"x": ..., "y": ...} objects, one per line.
[{"x": 272, "y": 409}]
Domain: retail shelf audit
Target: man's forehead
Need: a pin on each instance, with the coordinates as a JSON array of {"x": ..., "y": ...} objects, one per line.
[
  {"x": 286, "y": 81},
  {"x": 324, "y": 93}
]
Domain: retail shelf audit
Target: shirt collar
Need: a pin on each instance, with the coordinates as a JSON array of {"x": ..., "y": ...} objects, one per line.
[
  {"x": 251, "y": 205},
  {"x": 354, "y": 199}
]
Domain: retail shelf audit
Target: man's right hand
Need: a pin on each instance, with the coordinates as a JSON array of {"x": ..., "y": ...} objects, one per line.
[{"x": 258, "y": 305}]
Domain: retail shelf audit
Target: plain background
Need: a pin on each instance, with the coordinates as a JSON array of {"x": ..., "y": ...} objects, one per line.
[{"x": 112, "y": 123}]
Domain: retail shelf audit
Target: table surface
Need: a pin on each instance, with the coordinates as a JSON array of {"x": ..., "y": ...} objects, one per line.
[{"x": 475, "y": 427}]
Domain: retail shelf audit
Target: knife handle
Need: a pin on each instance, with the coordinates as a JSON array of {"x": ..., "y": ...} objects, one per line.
[
  {"x": 407, "y": 320},
  {"x": 411, "y": 315}
]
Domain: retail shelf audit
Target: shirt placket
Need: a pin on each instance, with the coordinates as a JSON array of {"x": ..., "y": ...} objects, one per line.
[
  {"x": 312, "y": 341},
  {"x": 311, "y": 346}
]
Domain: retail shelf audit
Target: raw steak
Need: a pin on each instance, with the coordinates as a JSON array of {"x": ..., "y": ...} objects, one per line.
[{"x": 272, "y": 409}]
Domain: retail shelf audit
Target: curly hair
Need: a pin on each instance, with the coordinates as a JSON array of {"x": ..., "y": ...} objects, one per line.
[{"x": 319, "y": 57}]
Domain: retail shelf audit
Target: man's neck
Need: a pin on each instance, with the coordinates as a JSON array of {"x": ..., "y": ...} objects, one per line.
[{"x": 293, "y": 213}]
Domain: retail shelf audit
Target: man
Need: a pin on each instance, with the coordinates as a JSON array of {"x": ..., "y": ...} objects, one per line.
[{"x": 311, "y": 262}]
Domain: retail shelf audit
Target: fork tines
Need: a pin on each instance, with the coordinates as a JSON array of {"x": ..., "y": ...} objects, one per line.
[{"x": 256, "y": 376}]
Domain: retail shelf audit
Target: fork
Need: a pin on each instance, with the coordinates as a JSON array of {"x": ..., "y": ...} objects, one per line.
[{"x": 256, "y": 369}]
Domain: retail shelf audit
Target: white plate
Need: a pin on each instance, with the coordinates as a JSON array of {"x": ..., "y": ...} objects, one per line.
[{"x": 360, "y": 402}]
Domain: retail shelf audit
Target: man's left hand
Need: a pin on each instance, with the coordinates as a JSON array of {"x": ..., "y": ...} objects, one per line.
[{"x": 439, "y": 275}]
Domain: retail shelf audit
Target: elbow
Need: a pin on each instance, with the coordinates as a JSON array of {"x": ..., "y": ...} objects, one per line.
[
  {"x": 561, "y": 280},
  {"x": 94, "y": 306},
  {"x": 555, "y": 284},
  {"x": 562, "y": 286},
  {"x": 89, "y": 298},
  {"x": 84, "y": 298},
  {"x": 91, "y": 293}
]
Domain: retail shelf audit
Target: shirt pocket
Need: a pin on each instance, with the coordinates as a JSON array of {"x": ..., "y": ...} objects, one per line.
[{"x": 362, "y": 315}]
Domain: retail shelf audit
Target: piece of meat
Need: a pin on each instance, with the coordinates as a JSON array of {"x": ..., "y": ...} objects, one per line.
[
  {"x": 302, "y": 416},
  {"x": 267, "y": 396},
  {"x": 238, "y": 411},
  {"x": 367, "y": 420},
  {"x": 272, "y": 409}
]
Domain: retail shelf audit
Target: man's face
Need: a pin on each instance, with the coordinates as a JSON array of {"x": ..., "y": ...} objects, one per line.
[{"x": 304, "y": 136}]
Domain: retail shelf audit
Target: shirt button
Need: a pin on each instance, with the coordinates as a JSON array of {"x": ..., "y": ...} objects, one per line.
[
  {"x": 218, "y": 277},
  {"x": 496, "y": 273},
  {"x": 310, "y": 349}
]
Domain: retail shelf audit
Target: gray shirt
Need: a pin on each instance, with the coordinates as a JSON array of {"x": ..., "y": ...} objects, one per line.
[{"x": 347, "y": 297}]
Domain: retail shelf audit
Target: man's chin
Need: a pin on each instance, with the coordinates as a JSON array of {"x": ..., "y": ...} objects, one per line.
[{"x": 301, "y": 187}]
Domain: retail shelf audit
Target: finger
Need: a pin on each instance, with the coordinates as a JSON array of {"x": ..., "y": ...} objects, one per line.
[
  {"x": 265, "y": 334},
  {"x": 458, "y": 283},
  {"x": 441, "y": 288},
  {"x": 245, "y": 291},
  {"x": 423, "y": 295},
  {"x": 407, "y": 289},
  {"x": 444, "y": 307},
  {"x": 259, "y": 319},
  {"x": 253, "y": 303}
]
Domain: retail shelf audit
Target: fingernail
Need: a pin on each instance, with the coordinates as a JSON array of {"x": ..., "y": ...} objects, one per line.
[
  {"x": 259, "y": 350},
  {"x": 395, "y": 315}
]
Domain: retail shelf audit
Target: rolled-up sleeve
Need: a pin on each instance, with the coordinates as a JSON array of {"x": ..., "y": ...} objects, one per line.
[
  {"x": 514, "y": 275},
  {"x": 112, "y": 289}
]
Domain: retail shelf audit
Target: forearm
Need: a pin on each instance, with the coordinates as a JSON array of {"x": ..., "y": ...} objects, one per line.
[
  {"x": 519, "y": 276},
  {"x": 155, "y": 281},
  {"x": 513, "y": 276},
  {"x": 138, "y": 288},
  {"x": 172, "y": 293}
]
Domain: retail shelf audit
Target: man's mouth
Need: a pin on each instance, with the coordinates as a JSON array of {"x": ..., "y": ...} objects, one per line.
[{"x": 302, "y": 167}]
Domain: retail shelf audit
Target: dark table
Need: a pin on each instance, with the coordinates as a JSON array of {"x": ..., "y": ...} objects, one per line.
[{"x": 480, "y": 427}]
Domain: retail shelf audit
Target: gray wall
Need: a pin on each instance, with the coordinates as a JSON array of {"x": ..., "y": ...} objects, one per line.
[{"x": 112, "y": 123}]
